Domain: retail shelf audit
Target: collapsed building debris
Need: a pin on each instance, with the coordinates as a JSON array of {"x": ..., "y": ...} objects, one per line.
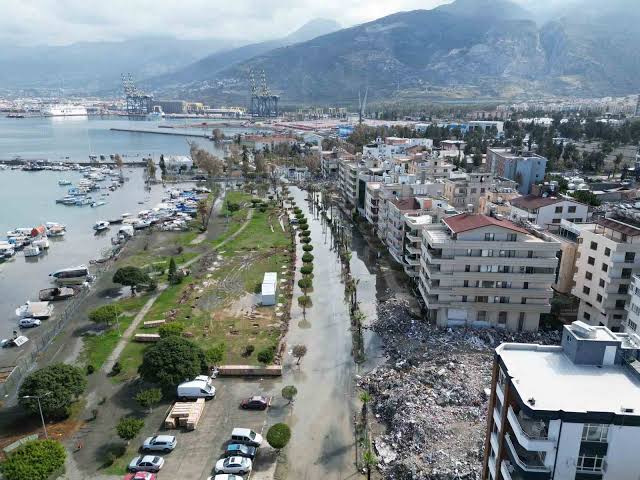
[{"x": 431, "y": 394}]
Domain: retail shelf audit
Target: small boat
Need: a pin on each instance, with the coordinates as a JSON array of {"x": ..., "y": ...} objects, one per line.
[
  {"x": 56, "y": 293},
  {"x": 51, "y": 225},
  {"x": 7, "y": 250},
  {"x": 71, "y": 276},
  {"x": 56, "y": 232},
  {"x": 84, "y": 201},
  {"x": 35, "y": 310},
  {"x": 115, "y": 221},
  {"x": 42, "y": 243},
  {"x": 141, "y": 224},
  {"x": 32, "y": 251},
  {"x": 64, "y": 183},
  {"x": 97, "y": 204},
  {"x": 101, "y": 225}
]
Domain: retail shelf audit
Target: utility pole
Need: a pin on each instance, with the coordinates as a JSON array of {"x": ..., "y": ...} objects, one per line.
[{"x": 38, "y": 397}]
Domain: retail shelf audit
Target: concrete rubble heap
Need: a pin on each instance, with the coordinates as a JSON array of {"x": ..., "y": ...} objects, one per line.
[{"x": 432, "y": 394}]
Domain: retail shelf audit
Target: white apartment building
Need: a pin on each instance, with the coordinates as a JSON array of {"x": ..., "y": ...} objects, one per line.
[
  {"x": 390, "y": 147},
  {"x": 608, "y": 256},
  {"x": 545, "y": 211},
  {"x": 478, "y": 270},
  {"x": 348, "y": 183},
  {"x": 633, "y": 307},
  {"x": 565, "y": 412}
]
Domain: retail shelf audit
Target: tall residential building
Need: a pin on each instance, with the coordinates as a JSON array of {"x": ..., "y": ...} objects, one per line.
[
  {"x": 526, "y": 168},
  {"x": 565, "y": 412},
  {"x": 479, "y": 270},
  {"x": 348, "y": 183},
  {"x": 633, "y": 307},
  {"x": 608, "y": 255}
]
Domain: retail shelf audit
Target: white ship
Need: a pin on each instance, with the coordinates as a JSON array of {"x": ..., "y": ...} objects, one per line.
[{"x": 64, "y": 110}]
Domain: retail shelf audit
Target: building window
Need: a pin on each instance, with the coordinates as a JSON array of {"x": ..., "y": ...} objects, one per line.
[
  {"x": 586, "y": 290},
  {"x": 572, "y": 209},
  {"x": 464, "y": 298},
  {"x": 626, "y": 273},
  {"x": 605, "y": 267},
  {"x": 594, "y": 246},
  {"x": 555, "y": 220},
  {"x": 629, "y": 257},
  {"x": 591, "y": 261},
  {"x": 525, "y": 286},
  {"x": 482, "y": 317},
  {"x": 467, "y": 268},
  {"x": 482, "y": 299},
  {"x": 623, "y": 288},
  {"x": 466, "y": 283},
  {"x": 558, "y": 209},
  {"x": 502, "y": 318},
  {"x": 511, "y": 237},
  {"x": 489, "y": 237},
  {"x": 586, "y": 316},
  {"x": 589, "y": 463},
  {"x": 620, "y": 304},
  {"x": 523, "y": 301},
  {"x": 599, "y": 298},
  {"x": 632, "y": 326},
  {"x": 607, "y": 251},
  {"x": 595, "y": 432},
  {"x": 601, "y": 283},
  {"x": 588, "y": 275}
]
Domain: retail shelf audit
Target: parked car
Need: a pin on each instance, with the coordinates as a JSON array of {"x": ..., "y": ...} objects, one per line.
[
  {"x": 147, "y": 463},
  {"x": 246, "y": 436},
  {"x": 240, "y": 450},
  {"x": 257, "y": 402},
  {"x": 160, "y": 443},
  {"x": 29, "y": 322},
  {"x": 140, "y": 476},
  {"x": 239, "y": 465},
  {"x": 225, "y": 476}
]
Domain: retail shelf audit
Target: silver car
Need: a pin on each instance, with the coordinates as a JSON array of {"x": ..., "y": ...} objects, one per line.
[
  {"x": 29, "y": 322},
  {"x": 148, "y": 463},
  {"x": 238, "y": 465},
  {"x": 160, "y": 443}
]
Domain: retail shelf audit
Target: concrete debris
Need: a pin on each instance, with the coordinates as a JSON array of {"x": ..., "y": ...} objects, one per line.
[{"x": 432, "y": 394}]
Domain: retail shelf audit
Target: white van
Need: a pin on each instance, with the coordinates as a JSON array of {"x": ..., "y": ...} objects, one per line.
[
  {"x": 196, "y": 389},
  {"x": 246, "y": 436}
]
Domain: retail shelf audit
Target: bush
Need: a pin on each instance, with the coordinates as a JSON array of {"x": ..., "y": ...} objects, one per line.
[
  {"x": 307, "y": 248},
  {"x": 148, "y": 398},
  {"x": 307, "y": 257},
  {"x": 306, "y": 269},
  {"x": 305, "y": 233},
  {"x": 35, "y": 460},
  {"x": 248, "y": 351},
  {"x": 105, "y": 314},
  {"x": 255, "y": 201},
  {"x": 289, "y": 392},
  {"x": 305, "y": 282},
  {"x": 90, "y": 369},
  {"x": 304, "y": 301},
  {"x": 266, "y": 355},
  {"x": 305, "y": 240},
  {"x": 171, "y": 360},
  {"x": 215, "y": 354},
  {"x": 173, "y": 329},
  {"x": 129, "y": 427},
  {"x": 65, "y": 382},
  {"x": 278, "y": 435},
  {"x": 297, "y": 210},
  {"x": 304, "y": 227},
  {"x": 262, "y": 209}
]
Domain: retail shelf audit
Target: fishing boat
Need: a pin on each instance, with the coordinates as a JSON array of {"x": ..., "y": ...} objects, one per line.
[
  {"x": 19, "y": 232},
  {"x": 71, "y": 276},
  {"x": 97, "y": 204},
  {"x": 7, "y": 250},
  {"x": 42, "y": 243},
  {"x": 84, "y": 201},
  {"x": 64, "y": 183},
  {"x": 115, "y": 221},
  {"x": 55, "y": 293},
  {"x": 51, "y": 225},
  {"x": 35, "y": 310},
  {"x": 32, "y": 251},
  {"x": 101, "y": 225},
  {"x": 141, "y": 224}
]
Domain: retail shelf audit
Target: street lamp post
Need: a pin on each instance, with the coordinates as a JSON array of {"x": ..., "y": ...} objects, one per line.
[{"x": 38, "y": 397}]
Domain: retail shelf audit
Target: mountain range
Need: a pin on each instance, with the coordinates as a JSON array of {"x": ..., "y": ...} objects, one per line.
[{"x": 466, "y": 50}]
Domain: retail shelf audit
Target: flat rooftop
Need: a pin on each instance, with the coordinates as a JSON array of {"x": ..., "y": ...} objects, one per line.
[{"x": 547, "y": 375}]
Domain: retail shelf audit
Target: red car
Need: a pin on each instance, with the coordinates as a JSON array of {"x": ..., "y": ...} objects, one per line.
[
  {"x": 140, "y": 476},
  {"x": 256, "y": 402}
]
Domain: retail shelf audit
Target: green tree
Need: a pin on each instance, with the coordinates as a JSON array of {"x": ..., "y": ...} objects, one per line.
[
  {"x": 171, "y": 361},
  {"x": 299, "y": 351},
  {"x": 35, "y": 460},
  {"x": 173, "y": 329},
  {"x": 172, "y": 274},
  {"x": 289, "y": 393},
  {"x": 131, "y": 277},
  {"x": 149, "y": 398},
  {"x": 278, "y": 435},
  {"x": 65, "y": 382},
  {"x": 215, "y": 354},
  {"x": 266, "y": 355},
  {"x": 365, "y": 398},
  {"x": 129, "y": 427},
  {"x": 107, "y": 314},
  {"x": 616, "y": 162}
]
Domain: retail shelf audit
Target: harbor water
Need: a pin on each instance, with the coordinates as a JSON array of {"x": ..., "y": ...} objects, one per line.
[{"x": 28, "y": 199}]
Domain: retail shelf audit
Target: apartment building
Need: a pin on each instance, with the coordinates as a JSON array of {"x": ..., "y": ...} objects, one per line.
[
  {"x": 479, "y": 270},
  {"x": 608, "y": 256},
  {"x": 389, "y": 147},
  {"x": 545, "y": 211},
  {"x": 330, "y": 159},
  {"x": 497, "y": 199},
  {"x": 565, "y": 412},
  {"x": 348, "y": 183},
  {"x": 429, "y": 165},
  {"x": 526, "y": 168},
  {"x": 633, "y": 307},
  {"x": 463, "y": 190}
]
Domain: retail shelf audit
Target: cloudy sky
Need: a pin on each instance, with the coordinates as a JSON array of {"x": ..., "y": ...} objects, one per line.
[{"x": 28, "y": 22}]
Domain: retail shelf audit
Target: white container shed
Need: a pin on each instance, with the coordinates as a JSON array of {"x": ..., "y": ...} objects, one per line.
[{"x": 269, "y": 284}]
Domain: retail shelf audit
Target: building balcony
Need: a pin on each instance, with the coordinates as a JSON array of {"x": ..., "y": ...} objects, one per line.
[
  {"x": 414, "y": 262},
  {"x": 532, "y": 435},
  {"x": 414, "y": 238},
  {"x": 525, "y": 461},
  {"x": 413, "y": 250},
  {"x": 497, "y": 419},
  {"x": 411, "y": 271}
]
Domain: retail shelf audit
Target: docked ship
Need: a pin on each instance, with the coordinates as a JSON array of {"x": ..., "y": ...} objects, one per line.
[{"x": 64, "y": 110}]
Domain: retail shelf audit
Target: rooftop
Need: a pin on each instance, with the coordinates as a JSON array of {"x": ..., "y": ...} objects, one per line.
[
  {"x": 406, "y": 203},
  {"x": 619, "y": 226},
  {"x": 548, "y": 376},
  {"x": 466, "y": 221},
  {"x": 532, "y": 202}
]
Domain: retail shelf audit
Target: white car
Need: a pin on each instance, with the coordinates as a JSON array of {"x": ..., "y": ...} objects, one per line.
[
  {"x": 148, "y": 463},
  {"x": 239, "y": 465},
  {"x": 225, "y": 476},
  {"x": 29, "y": 322},
  {"x": 161, "y": 443}
]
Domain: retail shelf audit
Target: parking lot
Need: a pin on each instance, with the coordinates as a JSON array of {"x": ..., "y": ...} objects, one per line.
[{"x": 197, "y": 451}]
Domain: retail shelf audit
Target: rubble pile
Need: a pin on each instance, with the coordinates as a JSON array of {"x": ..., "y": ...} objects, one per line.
[{"x": 432, "y": 394}]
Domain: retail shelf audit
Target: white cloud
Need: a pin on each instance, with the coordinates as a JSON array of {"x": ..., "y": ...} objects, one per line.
[{"x": 28, "y": 22}]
